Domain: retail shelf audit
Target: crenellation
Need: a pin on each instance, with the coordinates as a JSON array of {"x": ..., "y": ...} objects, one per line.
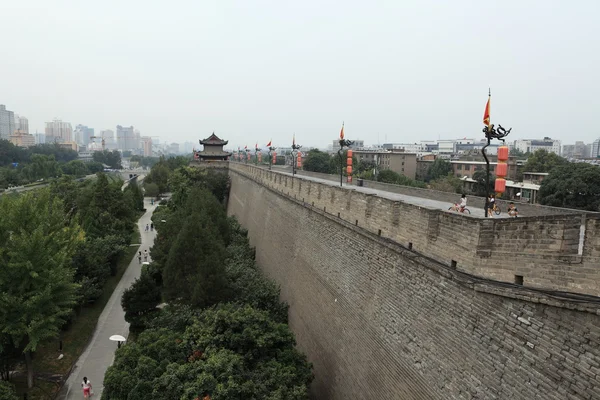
[{"x": 380, "y": 321}]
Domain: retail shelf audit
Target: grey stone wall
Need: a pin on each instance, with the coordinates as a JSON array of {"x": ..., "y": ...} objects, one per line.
[
  {"x": 547, "y": 251},
  {"x": 382, "y": 322}
]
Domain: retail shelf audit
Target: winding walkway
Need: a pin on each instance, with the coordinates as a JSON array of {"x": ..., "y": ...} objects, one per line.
[{"x": 100, "y": 352}]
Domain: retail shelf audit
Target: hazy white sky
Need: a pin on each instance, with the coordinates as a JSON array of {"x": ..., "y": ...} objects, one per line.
[{"x": 395, "y": 71}]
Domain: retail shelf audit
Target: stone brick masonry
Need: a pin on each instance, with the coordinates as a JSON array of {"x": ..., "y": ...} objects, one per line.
[
  {"x": 557, "y": 252},
  {"x": 382, "y": 322}
]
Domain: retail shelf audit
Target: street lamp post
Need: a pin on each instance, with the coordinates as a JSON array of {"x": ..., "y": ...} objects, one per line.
[
  {"x": 295, "y": 148},
  {"x": 491, "y": 133},
  {"x": 271, "y": 149},
  {"x": 343, "y": 143}
]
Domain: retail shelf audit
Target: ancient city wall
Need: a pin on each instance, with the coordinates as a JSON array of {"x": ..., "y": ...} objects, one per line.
[
  {"x": 382, "y": 322},
  {"x": 473, "y": 201},
  {"x": 549, "y": 252}
]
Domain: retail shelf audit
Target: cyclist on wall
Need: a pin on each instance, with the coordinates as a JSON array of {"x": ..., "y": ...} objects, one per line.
[
  {"x": 460, "y": 207},
  {"x": 491, "y": 204}
]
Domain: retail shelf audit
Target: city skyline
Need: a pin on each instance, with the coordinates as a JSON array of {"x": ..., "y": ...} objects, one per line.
[{"x": 392, "y": 72}]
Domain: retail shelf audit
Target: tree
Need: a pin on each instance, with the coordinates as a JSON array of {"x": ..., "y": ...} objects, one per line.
[
  {"x": 439, "y": 169},
  {"x": 7, "y": 391},
  {"x": 140, "y": 299},
  {"x": 37, "y": 292},
  {"x": 448, "y": 183},
  {"x": 544, "y": 161},
  {"x": 134, "y": 195},
  {"x": 41, "y": 167},
  {"x": 226, "y": 352},
  {"x": 151, "y": 189},
  {"x": 110, "y": 158},
  {"x": 76, "y": 168},
  {"x": 389, "y": 176},
  {"x": 247, "y": 283},
  {"x": 9, "y": 153},
  {"x": 334, "y": 162},
  {"x": 479, "y": 176},
  {"x": 195, "y": 269},
  {"x": 60, "y": 154},
  {"x": 105, "y": 211},
  {"x": 159, "y": 174},
  {"x": 317, "y": 161},
  {"x": 575, "y": 185}
]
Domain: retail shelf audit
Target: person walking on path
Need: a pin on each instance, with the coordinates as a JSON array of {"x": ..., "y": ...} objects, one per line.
[
  {"x": 140, "y": 257},
  {"x": 152, "y": 227},
  {"x": 99, "y": 353},
  {"x": 147, "y": 227},
  {"x": 87, "y": 387},
  {"x": 146, "y": 255}
]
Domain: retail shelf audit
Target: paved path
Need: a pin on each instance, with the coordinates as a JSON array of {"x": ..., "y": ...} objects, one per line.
[
  {"x": 100, "y": 353},
  {"x": 418, "y": 201}
]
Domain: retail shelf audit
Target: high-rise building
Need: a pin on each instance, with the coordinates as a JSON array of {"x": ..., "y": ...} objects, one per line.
[
  {"x": 174, "y": 148},
  {"x": 595, "y": 148},
  {"x": 146, "y": 146},
  {"x": 58, "y": 131},
  {"x": 188, "y": 147},
  {"x": 7, "y": 122},
  {"x": 127, "y": 139},
  {"x": 21, "y": 124},
  {"x": 82, "y": 135},
  {"x": 40, "y": 138},
  {"x": 532, "y": 145}
]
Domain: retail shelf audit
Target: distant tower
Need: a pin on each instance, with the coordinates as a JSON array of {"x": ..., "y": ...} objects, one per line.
[{"x": 213, "y": 150}]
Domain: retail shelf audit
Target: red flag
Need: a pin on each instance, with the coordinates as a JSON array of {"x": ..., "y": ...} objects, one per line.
[
  {"x": 486, "y": 113},
  {"x": 342, "y": 132},
  {"x": 246, "y": 147},
  {"x": 294, "y": 140},
  {"x": 269, "y": 144},
  {"x": 256, "y": 147}
]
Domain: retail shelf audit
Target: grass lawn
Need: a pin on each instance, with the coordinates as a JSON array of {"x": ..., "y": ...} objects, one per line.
[
  {"x": 76, "y": 338},
  {"x": 41, "y": 389}
]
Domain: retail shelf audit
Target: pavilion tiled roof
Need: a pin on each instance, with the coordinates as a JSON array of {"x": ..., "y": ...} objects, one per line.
[{"x": 213, "y": 140}]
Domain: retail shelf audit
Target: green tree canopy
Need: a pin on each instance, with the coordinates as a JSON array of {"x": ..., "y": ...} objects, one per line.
[
  {"x": 105, "y": 211},
  {"x": 37, "y": 293},
  {"x": 76, "y": 168},
  {"x": 389, "y": 176},
  {"x": 227, "y": 352},
  {"x": 41, "y": 167},
  {"x": 317, "y": 161},
  {"x": 140, "y": 299},
  {"x": 479, "y": 189},
  {"x": 576, "y": 185},
  {"x": 448, "y": 183},
  {"x": 110, "y": 158},
  {"x": 439, "y": 169},
  {"x": 543, "y": 161},
  {"x": 7, "y": 391},
  {"x": 195, "y": 269}
]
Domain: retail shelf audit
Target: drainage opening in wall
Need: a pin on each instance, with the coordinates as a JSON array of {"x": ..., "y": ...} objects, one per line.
[
  {"x": 410, "y": 245},
  {"x": 338, "y": 215},
  {"x": 356, "y": 223},
  {"x": 453, "y": 264},
  {"x": 519, "y": 279},
  {"x": 379, "y": 233}
]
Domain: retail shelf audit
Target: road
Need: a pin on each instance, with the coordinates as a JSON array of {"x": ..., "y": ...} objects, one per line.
[
  {"x": 100, "y": 352},
  {"x": 417, "y": 201},
  {"x": 19, "y": 189}
]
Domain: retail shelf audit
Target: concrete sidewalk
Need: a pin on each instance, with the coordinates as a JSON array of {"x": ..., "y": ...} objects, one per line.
[{"x": 100, "y": 353}]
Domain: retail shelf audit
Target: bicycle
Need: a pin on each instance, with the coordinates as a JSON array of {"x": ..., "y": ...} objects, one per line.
[
  {"x": 458, "y": 209},
  {"x": 496, "y": 209}
]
